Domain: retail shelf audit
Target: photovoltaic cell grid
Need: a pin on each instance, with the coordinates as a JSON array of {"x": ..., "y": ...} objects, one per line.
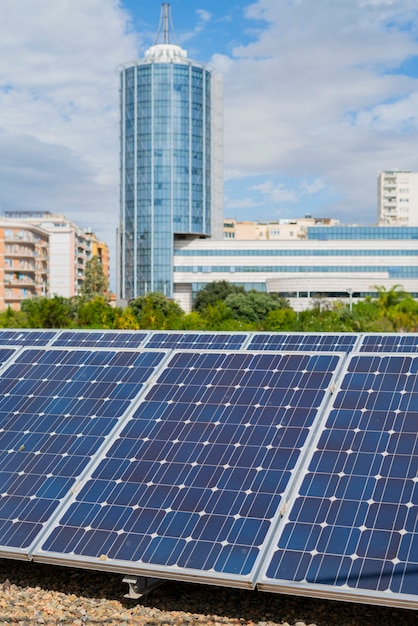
[
  {"x": 303, "y": 341},
  {"x": 197, "y": 341},
  {"x": 56, "y": 408},
  {"x": 393, "y": 342},
  {"x": 28, "y": 337},
  {"x": 194, "y": 481},
  {"x": 353, "y": 528},
  {"x": 102, "y": 339}
]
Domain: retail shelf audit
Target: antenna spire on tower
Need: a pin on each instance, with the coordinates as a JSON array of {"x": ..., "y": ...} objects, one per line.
[{"x": 165, "y": 26}]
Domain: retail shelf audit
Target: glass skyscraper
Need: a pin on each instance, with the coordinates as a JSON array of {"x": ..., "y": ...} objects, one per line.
[{"x": 171, "y": 162}]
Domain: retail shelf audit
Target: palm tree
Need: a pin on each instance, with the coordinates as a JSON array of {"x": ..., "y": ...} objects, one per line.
[{"x": 389, "y": 298}]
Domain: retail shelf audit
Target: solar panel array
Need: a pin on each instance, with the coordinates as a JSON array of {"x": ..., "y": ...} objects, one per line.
[{"x": 287, "y": 462}]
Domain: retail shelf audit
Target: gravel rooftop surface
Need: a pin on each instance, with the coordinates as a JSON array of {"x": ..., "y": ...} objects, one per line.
[{"x": 32, "y": 593}]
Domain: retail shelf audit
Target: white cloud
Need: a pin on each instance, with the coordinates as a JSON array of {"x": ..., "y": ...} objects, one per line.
[
  {"x": 59, "y": 108},
  {"x": 318, "y": 94},
  {"x": 275, "y": 193},
  {"x": 243, "y": 203},
  {"x": 203, "y": 18}
]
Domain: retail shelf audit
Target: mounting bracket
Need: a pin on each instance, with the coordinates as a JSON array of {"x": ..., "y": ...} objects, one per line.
[{"x": 140, "y": 586}]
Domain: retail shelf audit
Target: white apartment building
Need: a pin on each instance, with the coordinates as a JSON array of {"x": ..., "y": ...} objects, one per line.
[
  {"x": 398, "y": 198},
  {"x": 69, "y": 250}
]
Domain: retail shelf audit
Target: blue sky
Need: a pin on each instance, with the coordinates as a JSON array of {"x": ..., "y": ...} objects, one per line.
[{"x": 319, "y": 96}]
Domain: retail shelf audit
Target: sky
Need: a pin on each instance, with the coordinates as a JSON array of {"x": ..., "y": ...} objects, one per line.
[{"x": 319, "y": 96}]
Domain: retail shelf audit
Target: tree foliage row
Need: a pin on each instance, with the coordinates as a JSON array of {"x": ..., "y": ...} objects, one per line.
[{"x": 220, "y": 306}]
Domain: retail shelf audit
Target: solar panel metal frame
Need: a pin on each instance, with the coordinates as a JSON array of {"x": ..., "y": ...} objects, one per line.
[
  {"x": 286, "y": 346},
  {"x": 152, "y": 340},
  {"x": 321, "y": 590},
  {"x": 25, "y": 553},
  {"x": 249, "y": 581},
  {"x": 67, "y": 338}
]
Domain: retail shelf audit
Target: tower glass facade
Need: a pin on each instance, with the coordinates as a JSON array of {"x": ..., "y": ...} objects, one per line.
[{"x": 171, "y": 168}]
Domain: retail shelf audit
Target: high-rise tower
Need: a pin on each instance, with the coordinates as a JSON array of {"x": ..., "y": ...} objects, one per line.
[{"x": 171, "y": 161}]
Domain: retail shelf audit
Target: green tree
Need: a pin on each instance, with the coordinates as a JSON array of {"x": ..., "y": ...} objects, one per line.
[
  {"x": 387, "y": 298},
  {"x": 253, "y": 306},
  {"x": 280, "y": 319},
  {"x": 95, "y": 313},
  {"x": 220, "y": 317},
  {"x": 193, "y": 321},
  {"x": 318, "y": 319},
  {"x": 125, "y": 319},
  {"x": 157, "y": 312},
  {"x": 12, "y": 319},
  {"x": 214, "y": 292},
  {"x": 48, "y": 312},
  {"x": 95, "y": 282}
]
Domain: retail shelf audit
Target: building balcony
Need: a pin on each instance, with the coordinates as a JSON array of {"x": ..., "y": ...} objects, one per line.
[
  {"x": 20, "y": 283},
  {"x": 18, "y": 296},
  {"x": 21, "y": 253}
]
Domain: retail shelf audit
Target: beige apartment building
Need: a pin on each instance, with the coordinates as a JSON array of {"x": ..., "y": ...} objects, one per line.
[
  {"x": 286, "y": 229},
  {"x": 397, "y": 198},
  {"x": 101, "y": 250},
  {"x": 24, "y": 263},
  {"x": 42, "y": 254}
]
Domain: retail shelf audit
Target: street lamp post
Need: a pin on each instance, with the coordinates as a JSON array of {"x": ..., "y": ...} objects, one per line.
[{"x": 350, "y": 299}]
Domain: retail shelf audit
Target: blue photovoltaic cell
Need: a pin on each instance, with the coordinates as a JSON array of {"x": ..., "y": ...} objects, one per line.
[
  {"x": 102, "y": 339},
  {"x": 195, "y": 478},
  {"x": 301, "y": 341},
  {"x": 197, "y": 341},
  {"x": 5, "y": 354},
  {"x": 56, "y": 408},
  {"x": 26, "y": 337},
  {"x": 389, "y": 343},
  {"x": 353, "y": 525}
]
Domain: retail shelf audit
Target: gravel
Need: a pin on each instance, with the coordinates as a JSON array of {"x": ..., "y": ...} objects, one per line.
[{"x": 32, "y": 593}]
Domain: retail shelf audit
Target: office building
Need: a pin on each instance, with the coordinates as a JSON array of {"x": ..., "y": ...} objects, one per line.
[
  {"x": 398, "y": 198},
  {"x": 344, "y": 263},
  {"x": 171, "y": 161}
]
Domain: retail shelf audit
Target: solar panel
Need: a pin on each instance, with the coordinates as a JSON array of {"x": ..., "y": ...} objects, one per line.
[
  {"x": 393, "y": 342},
  {"x": 192, "y": 484},
  {"x": 100, "y": 338},
  {"x": 56, "y": 408},
  {"x": 351, "y": 530},
  {"x": 328, "y": 342},
  {"x": 23, "y": 337},
  {"x": 197, "y": 341}
]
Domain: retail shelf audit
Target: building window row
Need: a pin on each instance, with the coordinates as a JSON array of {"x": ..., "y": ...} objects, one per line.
[{"x": 393, "y": 272}]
